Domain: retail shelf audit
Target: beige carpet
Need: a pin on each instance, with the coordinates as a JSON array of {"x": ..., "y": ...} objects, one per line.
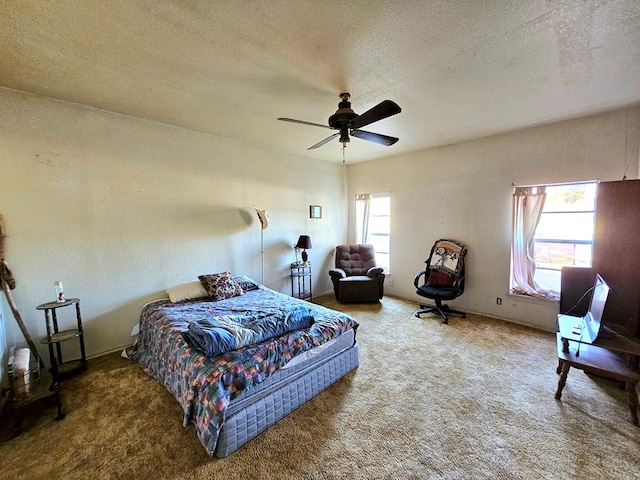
[{"x": 469, "y": 400}]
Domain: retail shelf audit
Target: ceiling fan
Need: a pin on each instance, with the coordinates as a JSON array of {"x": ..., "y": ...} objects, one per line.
[{"x": 349, "y": 122}]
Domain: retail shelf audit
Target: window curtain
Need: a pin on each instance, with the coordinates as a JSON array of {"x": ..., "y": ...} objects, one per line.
[
  {"x": 528, "y": 203},
  {"x": 363, "y": 204}
]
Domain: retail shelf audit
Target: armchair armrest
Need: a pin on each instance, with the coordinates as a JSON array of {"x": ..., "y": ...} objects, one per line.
[
  {"x": 373, "y": 272},
  {"x": 337, "y": 273}
]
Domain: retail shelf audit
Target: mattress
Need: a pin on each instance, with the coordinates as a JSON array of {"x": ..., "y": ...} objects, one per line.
[{"x": 300, "y": 363}]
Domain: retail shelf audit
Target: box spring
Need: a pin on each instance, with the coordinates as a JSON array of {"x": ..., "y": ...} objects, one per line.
[{"x": 254, "y": 411}]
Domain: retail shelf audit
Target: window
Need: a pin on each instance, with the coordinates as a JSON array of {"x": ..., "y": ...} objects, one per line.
[
  {"x": 553, "y": 227},
  {"x": 373, "y": 224}
]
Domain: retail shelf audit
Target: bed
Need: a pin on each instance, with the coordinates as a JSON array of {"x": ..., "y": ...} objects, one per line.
[{"x": 232, "y": 397}]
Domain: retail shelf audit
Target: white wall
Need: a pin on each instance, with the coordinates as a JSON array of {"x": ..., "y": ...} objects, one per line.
[
  {"x": 120, "y": 209},
  {"x": 464, "y": 192}
]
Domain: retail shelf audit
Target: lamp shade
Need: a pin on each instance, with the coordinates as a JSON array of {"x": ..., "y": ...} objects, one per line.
[
  {"x": 263, "y": 215},
  {"x": 304, "y": 242}
]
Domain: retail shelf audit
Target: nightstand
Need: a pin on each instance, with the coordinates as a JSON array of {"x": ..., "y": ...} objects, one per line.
[
  {"x": 43, "y": 391},
  {"x": 59, "y": 367},
  {"x": 301, "y": 281}
]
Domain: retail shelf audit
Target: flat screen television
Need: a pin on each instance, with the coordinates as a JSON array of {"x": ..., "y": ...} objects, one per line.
[
  {"x": 593, "y": 318},
  {"x": 588, "y": 327}
]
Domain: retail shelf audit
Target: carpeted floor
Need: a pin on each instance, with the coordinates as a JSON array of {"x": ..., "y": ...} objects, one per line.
[{"x": 470, "y": 400}]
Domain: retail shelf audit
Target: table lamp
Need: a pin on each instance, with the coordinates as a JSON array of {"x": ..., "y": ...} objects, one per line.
[{"x": 304, "y": 242}]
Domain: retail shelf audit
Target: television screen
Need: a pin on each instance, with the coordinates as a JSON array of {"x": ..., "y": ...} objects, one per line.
[{"x": 593, "y": 319}]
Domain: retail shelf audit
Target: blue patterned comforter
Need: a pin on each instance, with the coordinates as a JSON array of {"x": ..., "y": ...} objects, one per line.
[
  {"x": 217, "y": 335},
  {"x": 204, "y": 386}
]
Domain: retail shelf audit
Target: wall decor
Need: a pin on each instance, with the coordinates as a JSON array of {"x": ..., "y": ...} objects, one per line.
[{"x": 315, "y": 211}]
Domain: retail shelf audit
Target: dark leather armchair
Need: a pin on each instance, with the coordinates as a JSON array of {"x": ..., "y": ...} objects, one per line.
[
  {"x": 443, "y": 278},
  {"x": 356, "y": 277}
]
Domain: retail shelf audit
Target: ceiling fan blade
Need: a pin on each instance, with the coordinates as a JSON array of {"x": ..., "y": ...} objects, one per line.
[
  {"x": 322, "y": 142},
  {"x": 384, "y": 109},
  {"x": 303, "y": 122},
  {"x": 374, "y": 137}
]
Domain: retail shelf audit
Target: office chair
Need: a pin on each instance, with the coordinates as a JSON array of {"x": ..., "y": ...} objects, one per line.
[{"x": 443, "y": 278}]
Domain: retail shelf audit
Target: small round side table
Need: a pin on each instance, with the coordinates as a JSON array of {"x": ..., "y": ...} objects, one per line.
[{"x": 59, "y": 367}]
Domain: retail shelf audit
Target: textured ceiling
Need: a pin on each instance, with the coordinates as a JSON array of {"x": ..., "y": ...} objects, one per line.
[{"x": 459, "y": 69}]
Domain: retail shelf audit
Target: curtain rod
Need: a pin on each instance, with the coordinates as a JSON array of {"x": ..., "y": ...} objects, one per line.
[{"x": 555, "y": 184}]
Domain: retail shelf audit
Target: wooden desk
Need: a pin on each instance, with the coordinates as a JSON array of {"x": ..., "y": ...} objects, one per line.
[{"x": 602, "y": 358}]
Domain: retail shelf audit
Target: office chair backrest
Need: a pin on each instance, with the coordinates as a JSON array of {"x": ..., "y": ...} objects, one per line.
[{"x": 445, "y": 264}]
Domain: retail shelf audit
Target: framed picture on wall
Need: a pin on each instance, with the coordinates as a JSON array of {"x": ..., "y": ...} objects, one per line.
[{"x": 315, "y": 211}]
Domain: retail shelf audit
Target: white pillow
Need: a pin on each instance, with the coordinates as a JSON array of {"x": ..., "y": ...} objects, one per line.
[{"x": 186, "y": 291}]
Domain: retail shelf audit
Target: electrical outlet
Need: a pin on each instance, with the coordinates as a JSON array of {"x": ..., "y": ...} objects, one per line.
[
  {"x": 498, "y": 301},
  {"x": 390, "y": 282}
]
